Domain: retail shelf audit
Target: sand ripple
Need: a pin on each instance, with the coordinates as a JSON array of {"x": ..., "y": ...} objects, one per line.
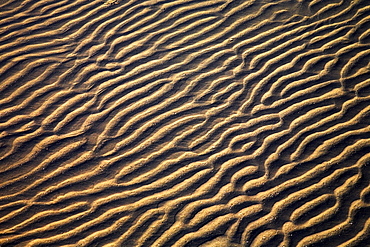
[{"x": 184, "y": 123}]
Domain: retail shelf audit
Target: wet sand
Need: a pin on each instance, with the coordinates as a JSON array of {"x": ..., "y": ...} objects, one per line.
[{"x": 184, "y": 123}]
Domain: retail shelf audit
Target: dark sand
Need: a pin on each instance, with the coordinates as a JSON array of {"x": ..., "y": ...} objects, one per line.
[{"x": 184, "y": 123}]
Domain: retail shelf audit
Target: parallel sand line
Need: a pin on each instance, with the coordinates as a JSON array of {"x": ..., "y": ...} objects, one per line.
[{"x": 184, "y": 123}]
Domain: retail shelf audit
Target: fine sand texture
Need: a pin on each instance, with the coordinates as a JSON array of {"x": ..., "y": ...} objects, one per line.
[{"x": 211, "y": 123}]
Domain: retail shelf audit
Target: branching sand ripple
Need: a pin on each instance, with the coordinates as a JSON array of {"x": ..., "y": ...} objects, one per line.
[{"x": 184, "y": 123}]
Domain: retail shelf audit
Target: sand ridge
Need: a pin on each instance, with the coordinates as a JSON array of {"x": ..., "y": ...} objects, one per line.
[{"x": 184, "y": 123}]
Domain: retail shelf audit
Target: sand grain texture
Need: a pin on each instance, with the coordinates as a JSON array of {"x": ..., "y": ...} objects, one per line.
[{"x": 184, "y": 123}]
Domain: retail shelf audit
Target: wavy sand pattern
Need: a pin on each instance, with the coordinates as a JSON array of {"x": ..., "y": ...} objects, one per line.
[{"x": 184, "y": 123}]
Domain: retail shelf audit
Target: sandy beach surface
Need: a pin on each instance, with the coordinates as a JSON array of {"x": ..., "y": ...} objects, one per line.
[{"x": 211, "y": 123}]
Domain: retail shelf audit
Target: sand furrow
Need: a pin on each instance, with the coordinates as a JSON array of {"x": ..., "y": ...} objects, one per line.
[{"x": 184, "y": 123}]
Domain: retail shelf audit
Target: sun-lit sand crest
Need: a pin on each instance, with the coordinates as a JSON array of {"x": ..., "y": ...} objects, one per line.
[{"x": 184, "y": 123}]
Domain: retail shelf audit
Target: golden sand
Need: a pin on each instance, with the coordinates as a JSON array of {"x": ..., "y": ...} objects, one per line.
[{"x": 216, "y": 123}]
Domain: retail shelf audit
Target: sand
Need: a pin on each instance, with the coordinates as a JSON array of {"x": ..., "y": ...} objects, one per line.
[{"x": 184, "y": 123}]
